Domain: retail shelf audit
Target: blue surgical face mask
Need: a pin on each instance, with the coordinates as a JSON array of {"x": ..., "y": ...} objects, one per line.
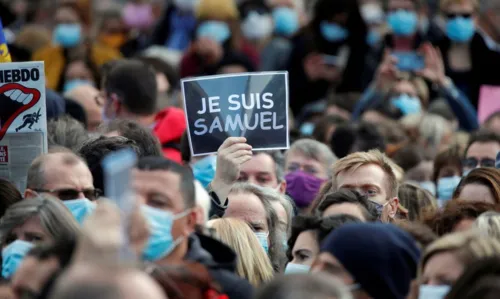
[
  {"x": 407, "y": 104},
  {"x": 433, "y": 292},
  {"x": 460, "y": 29},
  {"x": 262, "y": 237},
  {"x": 403, "y": 22},
  {"x": 67, "y": 35},
  {"x": 446, "y": 186},
  {"x": 429, "y": 186},
  {"x": 80, "y": 208},
  {"x": 204, "y": 170},
  {"x": 214, "y": 30},
  {"x": 306, "y": 129},
  {"x": 333, "y": 32},
  {"x": 286, "y": 21},
  {"x": 13, "y": 255},
  {"x": 72, "y": 84},
  {"x": 292, "y": 268},
  {"x": 161, "y": 242}
]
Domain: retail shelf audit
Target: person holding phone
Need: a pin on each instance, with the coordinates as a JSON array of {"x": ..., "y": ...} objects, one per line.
[
  {"x": 468, "y": 49},
  {"x": 330, "y": 49}
]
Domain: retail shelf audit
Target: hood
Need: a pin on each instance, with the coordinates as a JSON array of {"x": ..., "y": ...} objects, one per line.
[
  {"x": 211, "y": 253},
  {"x": 169, "y": 127}
]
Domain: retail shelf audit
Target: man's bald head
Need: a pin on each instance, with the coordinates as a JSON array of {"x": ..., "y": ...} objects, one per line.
[
  {"x": 38, "y": 173},
  {"x": 105, "y": 283},
  {"x": 86, "y": 96},
  {"x": 58, "y": 171}
]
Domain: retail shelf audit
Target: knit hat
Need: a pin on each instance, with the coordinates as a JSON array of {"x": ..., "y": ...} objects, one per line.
[
  {"x": 382, "y": 258},
  {"x": 221, "y": 10}
]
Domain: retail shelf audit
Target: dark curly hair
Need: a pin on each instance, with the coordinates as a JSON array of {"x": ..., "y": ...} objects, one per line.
[
  {"x": 444, "y": 221},
  {"x": 321, "y": 226}
]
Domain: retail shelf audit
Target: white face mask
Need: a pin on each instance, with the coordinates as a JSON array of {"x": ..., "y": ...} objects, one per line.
[
  {"x": 257, "y": 26},
  {"x": 372, "y": 13}
]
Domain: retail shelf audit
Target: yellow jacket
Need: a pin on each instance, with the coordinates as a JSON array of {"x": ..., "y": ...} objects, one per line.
[{"x": 55, "y": 61}]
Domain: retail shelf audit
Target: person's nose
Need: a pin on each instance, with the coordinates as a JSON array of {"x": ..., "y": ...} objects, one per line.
[
  {"x": 81, "y": 195},
  {"x": 252, "y": 180}
]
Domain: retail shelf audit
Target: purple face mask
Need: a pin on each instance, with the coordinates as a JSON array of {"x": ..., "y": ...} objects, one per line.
[
  {"x": 302, "y": 187},
  {"x": 138, "y": 16}
]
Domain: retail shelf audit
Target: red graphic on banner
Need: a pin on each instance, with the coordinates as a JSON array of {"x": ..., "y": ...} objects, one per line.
[{"x": 12, "y": 106}]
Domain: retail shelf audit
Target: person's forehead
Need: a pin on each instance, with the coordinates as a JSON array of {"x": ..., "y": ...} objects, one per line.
[
  {"x": 158, "y": 180},
  {"x": 306, "y": 240},
  {"x": 33, "y": 224},
  {"x": 440, "y": 262},
  {"x": 55, "y": 169},
  {"x": 64, "y": 14},
  {"x": 401, "y": 3},
  {"x": 476, "y": 192},
  {"x": 298, "y": 157},
  {"x": 245, "y": 206},
  {"x": 459, "y": 6},
  {"x": 369, "y": 174},
  {"x": 259, "y": 163},
  {"x": 483, "y": 149},
  {"x": 347, "y": 208}
]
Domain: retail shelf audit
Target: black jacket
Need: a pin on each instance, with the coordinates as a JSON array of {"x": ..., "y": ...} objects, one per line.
[{"x": 220, "y": 261}]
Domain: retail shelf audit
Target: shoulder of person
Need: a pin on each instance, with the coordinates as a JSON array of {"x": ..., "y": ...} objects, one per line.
[
  {"x": 50, "y": 51},
  {"x": 232, "y": 285},
  {"x": 103, "y": 54}
]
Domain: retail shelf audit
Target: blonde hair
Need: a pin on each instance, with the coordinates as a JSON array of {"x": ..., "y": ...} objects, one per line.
[
  {"x": 358, "y": 159},
  {"x": 489, "y": 224},
  {"x": 253, "y": 263},
  {"x": 467, "y": 247},
  {"x": 223, "y": 10},
  {"x": 445, "y": 3}
]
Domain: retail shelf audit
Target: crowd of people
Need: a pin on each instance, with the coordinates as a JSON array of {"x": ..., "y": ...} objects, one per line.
[{"x": 390, "y": 187}]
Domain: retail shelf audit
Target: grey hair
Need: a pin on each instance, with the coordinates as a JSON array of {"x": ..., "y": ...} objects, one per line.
[
  {"x": 299, "y": 286},
  {"x": 66, "y": 132},
  {"x": 54, "y": 217},
  {"x": 279, "y": 163},
  {"x": 488, "y": 223},
  {"x": 276, "y": 250},
  {"x": 315, "y": 150},
  {"x": 433, "y": 128},
  {"x": 274, "y": 196},
  {"x": 36, "y": 172}
]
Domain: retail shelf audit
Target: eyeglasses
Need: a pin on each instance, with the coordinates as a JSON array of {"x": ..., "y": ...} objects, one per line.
[
  {"x": 464, "y": 15},
  {"x": 69, "y": 194},
  {"x": 473, "y": 163}
]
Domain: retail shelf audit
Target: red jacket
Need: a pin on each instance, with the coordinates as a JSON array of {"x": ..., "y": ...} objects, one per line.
[{"x": 170, "y": 125}]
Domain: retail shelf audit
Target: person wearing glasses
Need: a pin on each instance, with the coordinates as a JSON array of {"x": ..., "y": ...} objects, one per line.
[
  {"x": 65, "y": 176},
  {"x": 481, "y": 151}
]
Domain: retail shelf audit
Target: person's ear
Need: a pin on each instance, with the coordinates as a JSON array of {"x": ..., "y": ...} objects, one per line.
[
  {"x": 394, "y": 204},
  {"x": 30, "y": 194},
  {"x": 200, "y": 215},
  {"x": 191, "y": 218},
  {"x": 282, "y": 187}
]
